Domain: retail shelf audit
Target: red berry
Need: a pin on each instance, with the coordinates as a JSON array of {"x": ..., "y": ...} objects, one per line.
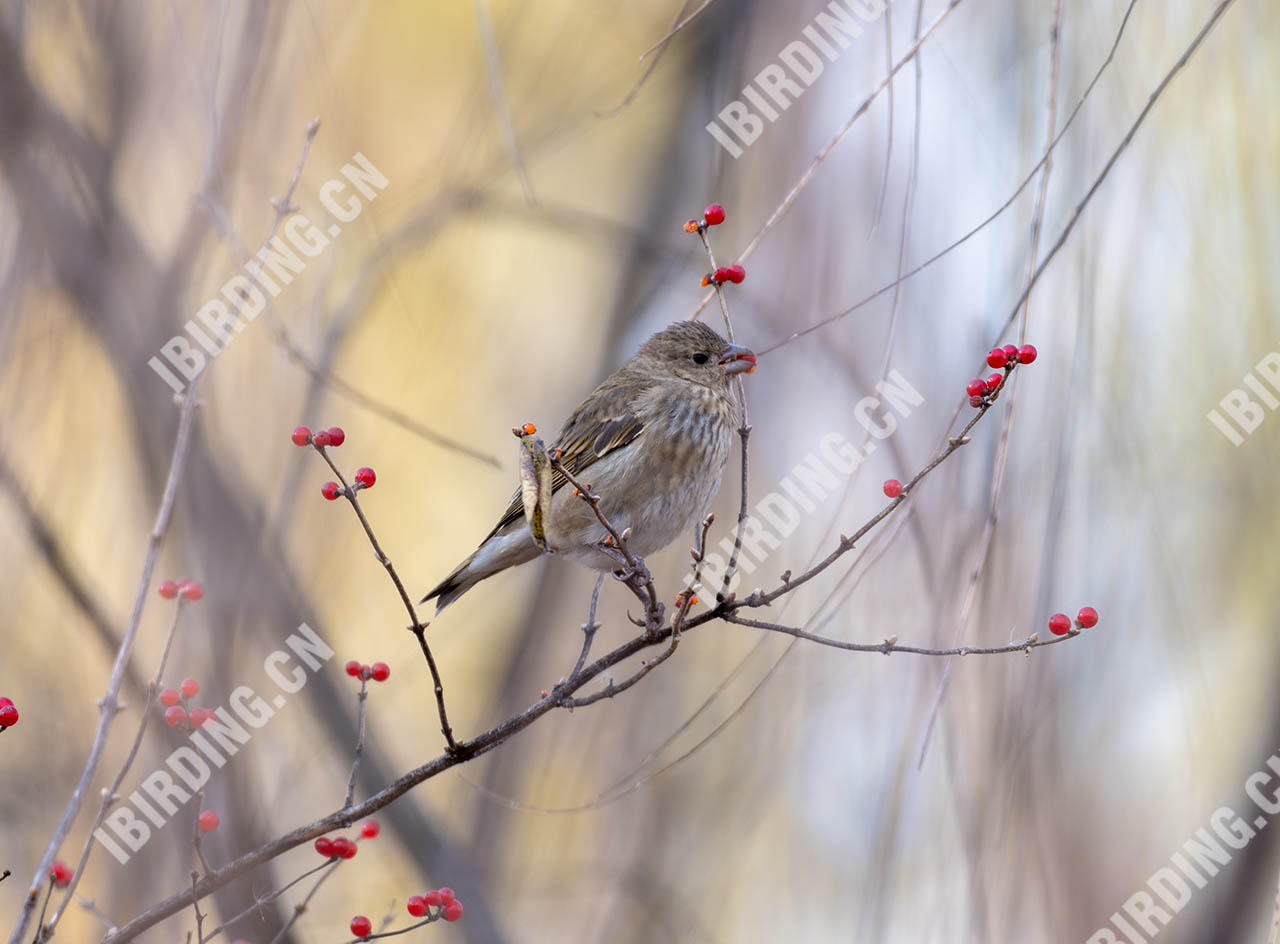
[
  {"x": 453, "y": 911},
  {"x": 446, "y": 895},
  {"x": 330, "y": 490},
  {"x": 169, "y": 697},
  {"x": 365, "y": 477},
  {"x": 1059, "y": 624},
  {"x": 721, "y": 275},
  {"x": 208, "y": 820},
  {"x": 324, "y": 846},
  {"x": 975, "y": 387},
  {"x": 361, "y": 926},
  {"x": 344, "y": 848},
  {"x": 353, "y": 668},
  {"x": 432, "y": 898},
  {"x": 60, "y": 874},
  {"x": 380, "y": 671},
  {"x": 1026, "y": 353},
  {"x": 8, "y": 716},
  {"x": 199, "y": 716},
  {"x": 322, "y": 438},
  {"x": 417, "y": 906},
  {"x": 737, "y": 274},
  {"x": 1010, "y": 352},
  {"x": 370, "y": 829},
  {"x": 1087, "y": 617},
  {"x": 892, "y": 488},
  {"x": 5, "y": 701},
  {"x": 996, "y": 358},
  {"x": 189, "y": 687},
  {"x": 191, "y": 590},
  {"x": 976, "y": 401},
  {"x": 174, "y": 716},
  {"x": 336, "y": 436},
  {"x": 994, "y": 382},
  {"x": 168, "y": 589},
  {"x": 714, "y": 214},
  {"x": 301, "y": 436}
]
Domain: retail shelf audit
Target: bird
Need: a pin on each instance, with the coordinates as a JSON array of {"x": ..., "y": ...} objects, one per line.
[{"x": 651, "y": 442}]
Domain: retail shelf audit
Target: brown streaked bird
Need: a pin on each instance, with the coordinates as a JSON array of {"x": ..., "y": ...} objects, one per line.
[{"x": 651, "y": 441}]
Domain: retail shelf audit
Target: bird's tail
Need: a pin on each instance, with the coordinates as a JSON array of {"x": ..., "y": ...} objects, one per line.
[{"x": 496, "y": 554}]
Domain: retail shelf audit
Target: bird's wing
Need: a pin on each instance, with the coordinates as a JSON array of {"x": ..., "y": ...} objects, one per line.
[{"x": 596, "y": 429}]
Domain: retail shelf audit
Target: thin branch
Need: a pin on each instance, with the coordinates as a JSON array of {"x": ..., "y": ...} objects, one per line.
[
  {"x": 891, "y": 644},
  {"x": 361, "y": 697},
  {"x": 110, "y": 705},
  {"x": 506, "y": 122},
  {"x": 1026, "y": 182},
  {"x": 111, "y": 794},
  {"x": 301, "y": 907},
  {"x": 589, "y": 628},
  {"x": 671, "y": 33},
  {"x": 195, "y": 903},
  {"x": 744, "y": 430},
  {"x": 267, "y": 899},
  {"x": 1002, "y": 449},
  {"x": 417, "y": 627},
  {"x": 822, "y": 155},
  {"x": 634, "y": 574}
]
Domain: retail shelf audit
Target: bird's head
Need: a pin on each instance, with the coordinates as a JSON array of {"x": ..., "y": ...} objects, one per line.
[{"x": 690, "y": 351}]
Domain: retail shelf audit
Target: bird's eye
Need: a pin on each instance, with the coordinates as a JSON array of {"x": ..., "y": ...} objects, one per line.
[{"x": 700, "y": 358}]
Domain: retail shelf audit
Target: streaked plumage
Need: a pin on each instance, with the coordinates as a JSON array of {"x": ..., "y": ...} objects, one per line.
[{"x": 651, "y": 441}]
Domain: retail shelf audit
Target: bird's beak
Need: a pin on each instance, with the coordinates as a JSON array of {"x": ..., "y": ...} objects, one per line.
[{"x": 738, "y": 360}]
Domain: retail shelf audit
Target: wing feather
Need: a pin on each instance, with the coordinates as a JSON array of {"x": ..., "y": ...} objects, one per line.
[{"x": 601, "y": 426}]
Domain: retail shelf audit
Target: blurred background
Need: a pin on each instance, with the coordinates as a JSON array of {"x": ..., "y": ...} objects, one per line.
[{"x": 527, "y": 241}]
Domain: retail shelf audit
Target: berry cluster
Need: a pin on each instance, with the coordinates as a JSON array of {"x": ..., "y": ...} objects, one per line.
[
  {"x": 60, "y": 874},
  {"x": 714, "y": 216},
  {"x": 188, "y": 589},
  {"x": 711, "y": 216},
  {"x": 333, "y": 436},
  {"x": 420, "y": 906},
  {"x": 379, "y": 671},
  {"x": 344, "y": 848},
  {"x": 178, "y": 713},
  {"x": 1008, "y": 357},
  {"x": 1060, "y": 623},
  {"x": 450, "y": 908},
  {"x": 8, "y": 713}
]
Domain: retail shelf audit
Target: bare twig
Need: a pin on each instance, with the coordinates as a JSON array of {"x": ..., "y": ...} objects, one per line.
[
  {"x": 821, "y": 157},
  {"x": 680, "y": 24},
  {"x": 111, "y": 793},
  {"x": 197, "y": 836},
  {"x": 634, "y": 573},
  {"x": 361, "y": 697},
  {"x": 1002, "y": 449},
  {"x": 267, "y": 899},
  {"x": 744, "y": 430},
  {"x": 1026, "y": 182},
  {"x": 110, "y": 702},
  {"x": 417, "y": 627},
  {"x": 195, "y": 903},
  {"x": 891, "y": 644},
  {"x": 506, "y": 122},
  {"x": 301, "y": 907}
]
